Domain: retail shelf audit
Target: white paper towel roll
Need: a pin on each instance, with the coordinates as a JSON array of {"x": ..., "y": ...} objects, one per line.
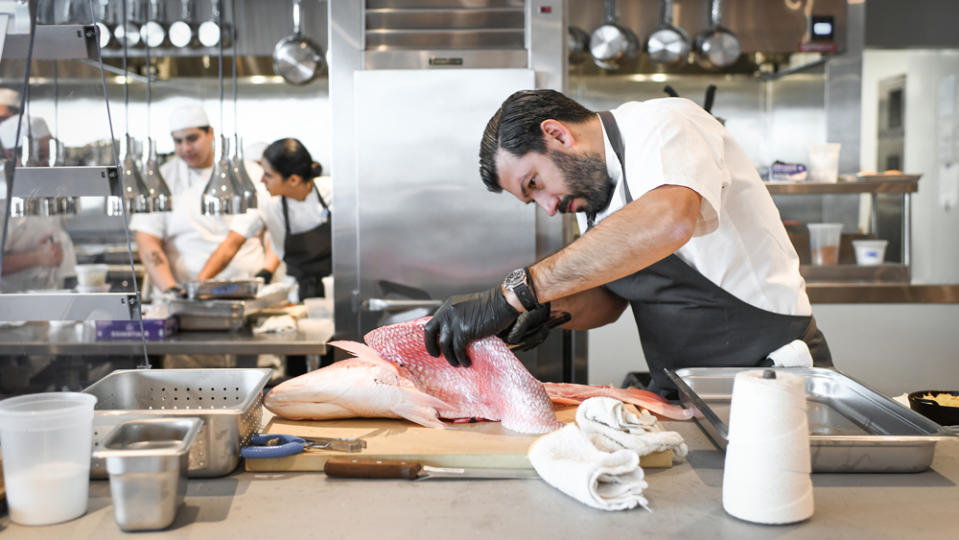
[{"x": 766, "y": 477}]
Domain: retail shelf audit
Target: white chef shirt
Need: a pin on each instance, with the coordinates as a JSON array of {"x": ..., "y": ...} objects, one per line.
[
  {"x": 739, "y": 242},
  {"x": 25, "y": 234},
  {"x": 304, "y": 215},
  {"x": 189, "y": 236}
]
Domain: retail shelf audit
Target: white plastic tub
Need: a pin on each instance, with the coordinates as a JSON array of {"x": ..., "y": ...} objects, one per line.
[{"x": 870, "y": 252}]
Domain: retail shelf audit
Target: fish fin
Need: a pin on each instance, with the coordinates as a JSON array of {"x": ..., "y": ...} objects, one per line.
[
  {"x": 560, "y": 400},
  {"x": 357, "y": 349},
  {"x": 423, "y": 415}
]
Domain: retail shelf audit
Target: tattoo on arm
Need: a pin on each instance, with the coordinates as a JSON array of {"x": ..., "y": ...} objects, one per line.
[{"x": 156, "y": 258}]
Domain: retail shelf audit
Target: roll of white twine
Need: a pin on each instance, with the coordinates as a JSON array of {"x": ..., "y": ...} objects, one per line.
[{"x": 766, "y": 476}]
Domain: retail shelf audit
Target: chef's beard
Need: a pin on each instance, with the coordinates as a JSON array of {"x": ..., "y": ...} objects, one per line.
[{"x": 586, "y": 177}]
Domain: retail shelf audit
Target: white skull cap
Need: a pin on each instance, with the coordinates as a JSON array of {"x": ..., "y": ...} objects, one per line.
[
  {"x": 188, "y": 116},
  {"x": 8, "y": 130},
  {"x": 10, "y": 98}
]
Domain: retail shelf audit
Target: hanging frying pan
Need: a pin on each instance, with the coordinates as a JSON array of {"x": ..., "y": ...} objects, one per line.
[
  {"x": 576, "y": 39},
  {"x": 210, "y": 32},
  {"x": 182, "y": 32},
  {"x": 612, "y": 43},
  {"x": 667, "y": 44},
  {"x": 295, "y": 58},
  {"x": 153, "y": 32},
  {"x": 717, "y": 47},
  {"x": 127, "y": 30},
  {"x": 105, "y": 22}
]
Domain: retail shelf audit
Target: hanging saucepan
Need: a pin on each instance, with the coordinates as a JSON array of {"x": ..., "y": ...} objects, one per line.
[
  {"x": 182, "y": 33},
  {"x": 576, "y": 40},
  {"x": 127, "y": 30},
  {"x": 612, "y": 43},
  {"x": 295, "y": 58},
  {"x": 210, "y": 32},
  {"x": 153, "y": 32},
  {"x": 105, "y": 22},
  {"x": 667, "y": 44},
  {"x": 716, "y": 47}
]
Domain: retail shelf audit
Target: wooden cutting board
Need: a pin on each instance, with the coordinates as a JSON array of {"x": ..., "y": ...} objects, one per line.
[{"x": 481, "y": 444}]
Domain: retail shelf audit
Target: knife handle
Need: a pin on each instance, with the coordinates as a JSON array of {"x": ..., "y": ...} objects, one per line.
[{"x": 371, "y": 468}]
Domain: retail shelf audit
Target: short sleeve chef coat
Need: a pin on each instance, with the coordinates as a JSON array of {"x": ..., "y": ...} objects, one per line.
[
  {"x": 189, "y": 236},
  {"x": 739, "y": 242},
  {"x": 304, "y": 215}
]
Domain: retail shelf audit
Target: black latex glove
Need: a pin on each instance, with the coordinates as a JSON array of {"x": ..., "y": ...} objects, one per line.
[
  {"x": 532, "y": 328},
  {"x": 265, "y": 274},
  {"x": 177, "y": 291},
  {"x": 465, "y": 318}
]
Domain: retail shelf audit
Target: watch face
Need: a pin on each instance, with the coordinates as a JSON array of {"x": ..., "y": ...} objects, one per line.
[{"x": 515, "y": 278}]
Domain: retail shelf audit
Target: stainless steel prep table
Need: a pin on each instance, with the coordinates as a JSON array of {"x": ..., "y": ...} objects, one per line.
[
  {"x": 40, "y": 338},
  {"x": 686, "y": 502}
]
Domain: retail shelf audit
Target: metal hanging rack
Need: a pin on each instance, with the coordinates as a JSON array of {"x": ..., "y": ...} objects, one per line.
[
  {"x": 160, "y": 197},
  {"x": 239, "y": 168}
]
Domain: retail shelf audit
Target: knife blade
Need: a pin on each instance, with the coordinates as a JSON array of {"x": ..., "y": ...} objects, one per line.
[{"x": 344, "y": 467}]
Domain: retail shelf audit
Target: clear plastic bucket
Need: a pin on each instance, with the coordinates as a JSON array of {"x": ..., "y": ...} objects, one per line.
[
  {"x": 824, "y": 162},
  {"x": 824, "y": 242},
  {"x": 47, "y": 441}
]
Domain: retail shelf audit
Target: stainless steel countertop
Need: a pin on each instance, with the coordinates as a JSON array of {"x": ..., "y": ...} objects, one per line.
[
  {"x": 686, "y": 501},
  {"x": 41, "y": 338},
  {"x": 891, "y": 293}
]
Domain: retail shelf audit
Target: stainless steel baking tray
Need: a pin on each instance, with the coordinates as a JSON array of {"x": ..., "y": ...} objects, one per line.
[
  {"x": 229, "y": 400},
  {"x": 209, "y": 289},
  {"x": 852, "y": 428}
]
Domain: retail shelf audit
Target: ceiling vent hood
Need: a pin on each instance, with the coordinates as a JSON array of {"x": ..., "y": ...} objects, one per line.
[{"x": 417, "y": 34}]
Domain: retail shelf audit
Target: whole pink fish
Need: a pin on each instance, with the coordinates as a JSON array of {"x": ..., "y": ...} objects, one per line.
[{"x": 417, "y": 386}]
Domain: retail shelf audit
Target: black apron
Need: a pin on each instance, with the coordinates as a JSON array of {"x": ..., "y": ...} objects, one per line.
[
  {"x": 309, "y": 255},
  {"x": 686, "y": 320}
]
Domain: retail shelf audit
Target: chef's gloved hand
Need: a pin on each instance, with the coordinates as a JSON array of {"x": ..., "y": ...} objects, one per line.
[
  {"x": 465, "y": 318},
  {"x": 176, "y": 291},
  {"x": 265, "y": 274},
  {"x": 532, "y": 328}
]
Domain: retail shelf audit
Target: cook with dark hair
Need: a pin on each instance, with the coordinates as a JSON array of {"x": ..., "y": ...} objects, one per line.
[
  {"x": 297, "y": 218},
  {"x": 676, "y": 224}
]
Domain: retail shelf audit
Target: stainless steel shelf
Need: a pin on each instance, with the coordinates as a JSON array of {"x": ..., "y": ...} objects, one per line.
[
  {"x": 866, "y": 184},
  {"x": 53, "y": 306},
  {"x": 54, "y": 42},
  {"x": 90, "y": 181}
]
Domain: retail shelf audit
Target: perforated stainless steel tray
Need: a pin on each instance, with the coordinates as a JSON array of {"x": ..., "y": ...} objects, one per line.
[
  {"x": 229, "y": 400},
  {"x": 852, "y": 428}
]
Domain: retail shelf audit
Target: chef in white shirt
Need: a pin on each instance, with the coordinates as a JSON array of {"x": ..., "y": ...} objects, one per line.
[
  {"x": 676, "y": 225},
  {"x": 297, "y": 217},
  {"x": 174, "y": 245},
  {"x": 38, "y": 253},
  {"x": 9, "y": 103}
]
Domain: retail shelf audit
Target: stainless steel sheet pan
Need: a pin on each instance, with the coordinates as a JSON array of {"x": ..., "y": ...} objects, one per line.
[{"x": 852, "y": 428}]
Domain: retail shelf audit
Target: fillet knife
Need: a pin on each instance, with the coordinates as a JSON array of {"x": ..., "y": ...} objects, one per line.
[{"x": 345, "y": 467}]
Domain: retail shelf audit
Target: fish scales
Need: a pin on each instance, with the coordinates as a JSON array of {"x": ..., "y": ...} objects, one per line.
[{"x": 496, "y": 386}]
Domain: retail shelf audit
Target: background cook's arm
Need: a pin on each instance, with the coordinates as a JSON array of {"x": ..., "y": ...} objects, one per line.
[
  {"x": 154, "y": 260},
  {"x": 636, "y": 236},
  {"x": 222, "y": 256}
]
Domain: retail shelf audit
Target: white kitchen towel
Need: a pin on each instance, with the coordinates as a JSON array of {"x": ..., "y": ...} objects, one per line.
[
  {"x": 793, "y": 354},
  {"x": 276, "y": 325},
  {"x": 567, "y": 460},
  {"x": 611, "y": 427}
]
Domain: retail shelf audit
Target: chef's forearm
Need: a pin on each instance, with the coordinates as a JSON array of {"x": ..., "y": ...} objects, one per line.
[
  {"x": 222, "y": 256},
  {"x": 591, "y": 308},
  {"x": 14, "y": 262},
  {"x": 154, "y": 260},
  {"x": 638, "y": 235}
]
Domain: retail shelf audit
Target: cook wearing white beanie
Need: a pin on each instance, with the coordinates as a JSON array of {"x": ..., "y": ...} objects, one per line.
[{"x": 9, "y": 103}]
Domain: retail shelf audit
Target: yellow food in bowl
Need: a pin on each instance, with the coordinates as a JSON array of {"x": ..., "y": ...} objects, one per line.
[{"x": 943, "y": 399}]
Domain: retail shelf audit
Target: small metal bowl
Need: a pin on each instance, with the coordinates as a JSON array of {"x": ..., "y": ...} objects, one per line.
[
  {"x": 147, "y": 461},
  {"x": 944, "y": 416}
]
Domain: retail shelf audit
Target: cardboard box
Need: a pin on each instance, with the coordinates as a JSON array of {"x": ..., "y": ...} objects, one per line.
[{"x": 155, "y": 329}]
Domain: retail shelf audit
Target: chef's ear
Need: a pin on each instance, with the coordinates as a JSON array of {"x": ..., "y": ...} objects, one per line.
[
  {"x": 556, "y": 131},
  {"x": 294, "y": 179}
]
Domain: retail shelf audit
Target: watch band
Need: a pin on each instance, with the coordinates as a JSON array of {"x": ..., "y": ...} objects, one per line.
[{"x": 520, "y": 282}]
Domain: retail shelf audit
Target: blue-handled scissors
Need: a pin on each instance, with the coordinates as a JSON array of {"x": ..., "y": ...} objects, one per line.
[{"x": 270, "y": 445}]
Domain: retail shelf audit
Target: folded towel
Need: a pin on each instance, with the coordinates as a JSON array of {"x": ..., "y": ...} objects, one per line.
[
  {"x": 793, "y": 354},
  {"x": 611, "y": 427},
  {"x": 276, "y": 325},
  {"x": 567, "y": 460}
]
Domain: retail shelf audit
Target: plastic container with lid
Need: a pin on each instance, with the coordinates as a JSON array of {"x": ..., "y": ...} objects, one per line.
[
  {"x": 47, "y": 441},
  {"x": 869, "y": 252}
]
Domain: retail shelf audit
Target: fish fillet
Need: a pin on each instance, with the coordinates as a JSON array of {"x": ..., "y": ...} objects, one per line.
[
  {"x": 495, "y": 387},
  {"x": 573, "y": 394}
]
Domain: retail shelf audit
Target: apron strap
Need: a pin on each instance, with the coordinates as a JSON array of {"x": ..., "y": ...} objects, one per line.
[
  {"x": 616, "y": 140},
  {"x": 286, "y": 215}
]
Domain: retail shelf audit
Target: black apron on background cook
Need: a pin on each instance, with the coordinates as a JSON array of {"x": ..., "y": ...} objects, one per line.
[
  {"x": 309, "y": 255},
  {"x": 686, "y": 320}
]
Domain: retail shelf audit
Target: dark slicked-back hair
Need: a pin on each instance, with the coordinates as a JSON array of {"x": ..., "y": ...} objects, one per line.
[{"x": 515, "y": 127}]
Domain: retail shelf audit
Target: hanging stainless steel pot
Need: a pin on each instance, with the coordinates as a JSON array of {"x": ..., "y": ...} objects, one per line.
[
  {"x": 153, "y": 31},
  {"x": 296, "y": 58},
  {"x": 611, "y": 43},
  {"x": 576, "y": 40},
  {"x": 667, "y": 44},
  {"x": 717, "y": 47},
  {"x": 127, "y": 30},
  {"x": 210, "y": 32},
  {"x": 182, "y": 32},
  {"x": 105, "y": 21}
]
